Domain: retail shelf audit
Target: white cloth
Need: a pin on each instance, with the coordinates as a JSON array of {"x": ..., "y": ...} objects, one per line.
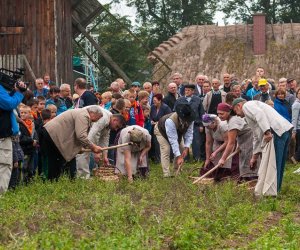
[
  {"x": 261, "y": 117},
  {"x": 267, "y": 173}
]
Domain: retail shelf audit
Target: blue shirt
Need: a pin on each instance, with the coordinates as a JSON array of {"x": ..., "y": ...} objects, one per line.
[
  {"x": 61, "y": 106},
  {"x": 252, "y": 92},
  {"x": 43, "y": 93}
]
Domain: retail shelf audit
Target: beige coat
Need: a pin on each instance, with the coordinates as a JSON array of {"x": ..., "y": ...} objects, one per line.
[
  {"x": 261, "y": 117},
  {"x": 69, "y": 132}
]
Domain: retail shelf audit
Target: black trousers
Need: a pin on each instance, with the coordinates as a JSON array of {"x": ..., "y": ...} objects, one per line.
[
  {"x": 57, "y": 165},
  {"x": 297, "y": 153}
]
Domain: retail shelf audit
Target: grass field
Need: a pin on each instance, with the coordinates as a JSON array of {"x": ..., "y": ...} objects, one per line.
[{"x": 152, "y": 214}]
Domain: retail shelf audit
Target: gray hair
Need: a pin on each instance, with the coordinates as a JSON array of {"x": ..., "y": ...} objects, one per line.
[
  {"x": 282, "y": 80},
  {"x": 147, "y": 84},
  {"x": 204, "y": 76},
  {"x": 94, "y": 109},
  {"x": 64, "y": 86}
]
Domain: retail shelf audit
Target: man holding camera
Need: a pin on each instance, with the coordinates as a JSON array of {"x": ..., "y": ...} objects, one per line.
[{"x": 10, "y": 98}]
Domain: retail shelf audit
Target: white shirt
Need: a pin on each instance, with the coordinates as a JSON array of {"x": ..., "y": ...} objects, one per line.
[{"x": 171, "y": 132}]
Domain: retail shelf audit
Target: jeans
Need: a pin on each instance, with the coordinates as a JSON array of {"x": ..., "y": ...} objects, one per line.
[{"x": 281, "y": 144}]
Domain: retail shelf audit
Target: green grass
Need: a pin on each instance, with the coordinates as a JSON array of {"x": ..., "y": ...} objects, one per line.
[{"x": 152, "y": 214}]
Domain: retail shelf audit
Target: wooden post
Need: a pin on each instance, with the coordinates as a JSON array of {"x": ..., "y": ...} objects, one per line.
[
  {"x": 106, "y": 56},
  {"x": 29, "y": 67}
]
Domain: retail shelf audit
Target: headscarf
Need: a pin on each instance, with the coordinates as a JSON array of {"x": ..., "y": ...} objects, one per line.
[
  {"x": 208, "y": 119},
  {"x": 224, "y": 107}
]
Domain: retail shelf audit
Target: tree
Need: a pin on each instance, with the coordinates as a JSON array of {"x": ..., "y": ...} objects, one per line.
[
  {"x": 275, "y": 10},
  {"x": 163, "y": 18}
]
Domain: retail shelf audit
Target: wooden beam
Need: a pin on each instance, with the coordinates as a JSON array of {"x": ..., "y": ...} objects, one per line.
[
  {"x": 102, "y": 52},
  {"x": 29, "y": 67},
  {"x": 75, "y": 4},
  {"x": 11, "y": 30}
]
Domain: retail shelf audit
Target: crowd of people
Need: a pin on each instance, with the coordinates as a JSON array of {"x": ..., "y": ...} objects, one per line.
[{"x": 48, "y": 131}]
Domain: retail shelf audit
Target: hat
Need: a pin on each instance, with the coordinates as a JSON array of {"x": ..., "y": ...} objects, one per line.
[
  {"x": 208, "y": 119},
  {"x": 190, "y": 86},
  {"x": 136, "y": 84},
  {"x": 224, "y": 107},
  {"x": 136, "y": 135},
  {"x": 289, "y": 80},
  {"x": 262, "y": 82},
  {"x": 185, "y": 112},
  {"x": 237, "y": 100}
]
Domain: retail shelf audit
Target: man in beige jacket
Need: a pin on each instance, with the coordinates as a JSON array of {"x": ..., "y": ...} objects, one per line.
[
  {"x": 99, "y": 135},
  {"x": 65, "y": 135}
]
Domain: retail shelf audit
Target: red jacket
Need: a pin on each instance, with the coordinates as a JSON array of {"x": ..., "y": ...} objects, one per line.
[{"x": 138, "y": 114}]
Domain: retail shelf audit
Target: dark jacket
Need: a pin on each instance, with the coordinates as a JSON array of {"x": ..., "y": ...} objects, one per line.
[
  {"x": 164, "y": 109},
  {"x": 196, "y": 105},
  {"x": 170, "y": 100},
  {"x": 26, "y": 140},
  {"x": 196, "y": 93}
]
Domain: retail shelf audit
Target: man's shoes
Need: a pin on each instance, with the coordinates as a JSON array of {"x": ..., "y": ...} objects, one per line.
[{"x": 169, "y": 176}]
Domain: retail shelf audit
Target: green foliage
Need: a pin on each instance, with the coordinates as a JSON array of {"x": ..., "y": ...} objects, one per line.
[
  {"x": 156, "y": 213},
  {"x": 163, "y": 18},
  {"x": 115, "y": 39},
  {"x": 275, "y": 10}
]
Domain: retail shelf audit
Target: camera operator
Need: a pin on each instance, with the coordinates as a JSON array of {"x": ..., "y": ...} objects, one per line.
[{"x": 10, "y": 97}]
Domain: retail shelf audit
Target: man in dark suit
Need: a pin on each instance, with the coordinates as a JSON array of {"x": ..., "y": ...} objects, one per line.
[
  {"x": 200, "y": 79},
  {"x": 196, "y": 104},
  {"x": 172, "y": 95}
]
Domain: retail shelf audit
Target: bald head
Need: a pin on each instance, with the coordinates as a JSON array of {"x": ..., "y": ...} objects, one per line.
[
  {"x": 115, "y": 87},
  {"x": 172, "y": 87}
]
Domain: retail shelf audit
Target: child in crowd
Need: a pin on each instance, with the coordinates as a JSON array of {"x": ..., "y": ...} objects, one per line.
[
  {"x": 33, "y": 104},
  {"x": 143, "y": 97},
  {"x": 41, "y": 105},
  {"x": 147, "y": 123},
  {"x": 136, "y": 116},
  {"x": 46, "y": 117},
  {"x": 126, "y": 94},
  {"x": 126, "y": 110},
  {"x": 53, "y": 110},
  {"x": 106, "y": 100},
  {"x": 28, "y": 142}
]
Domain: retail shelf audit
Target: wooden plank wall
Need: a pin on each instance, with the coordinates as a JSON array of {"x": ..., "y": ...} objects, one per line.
[{"x": 47, "y": 49}]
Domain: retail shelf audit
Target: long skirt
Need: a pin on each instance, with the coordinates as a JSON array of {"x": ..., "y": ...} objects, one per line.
[{"x": 245, "y": 143}]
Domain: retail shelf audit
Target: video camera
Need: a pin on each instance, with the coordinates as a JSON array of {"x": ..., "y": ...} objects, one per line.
[{"x": 9, "y": 79}]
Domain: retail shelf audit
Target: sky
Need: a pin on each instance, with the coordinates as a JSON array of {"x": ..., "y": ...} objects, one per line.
[{"x": 123, "y": 10}]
